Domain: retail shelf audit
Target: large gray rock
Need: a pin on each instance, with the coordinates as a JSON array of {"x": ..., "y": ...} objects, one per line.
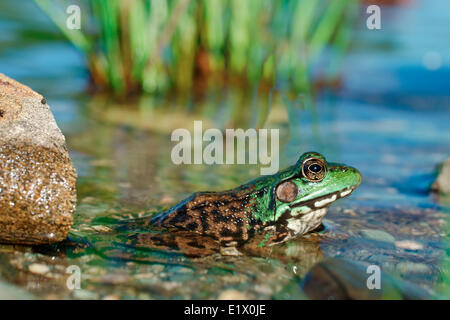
[{"x": 37, "y": 178}]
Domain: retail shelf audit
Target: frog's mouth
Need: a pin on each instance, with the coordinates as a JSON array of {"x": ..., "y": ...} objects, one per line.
[{"x": 324, "y": 201}]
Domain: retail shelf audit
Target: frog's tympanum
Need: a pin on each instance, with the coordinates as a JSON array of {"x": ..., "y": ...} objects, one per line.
[{"x": 272, "y": 208}]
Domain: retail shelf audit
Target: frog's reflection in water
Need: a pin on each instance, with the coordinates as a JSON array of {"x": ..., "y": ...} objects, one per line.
[{"x": 190, "y": 249}]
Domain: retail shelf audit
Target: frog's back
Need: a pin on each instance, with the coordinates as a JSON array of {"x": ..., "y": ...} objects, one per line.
[{"x": 225, "y": 216}]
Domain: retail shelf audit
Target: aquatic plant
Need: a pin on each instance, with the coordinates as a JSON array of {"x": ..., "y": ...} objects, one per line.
[{"x": 135, "y": 46}]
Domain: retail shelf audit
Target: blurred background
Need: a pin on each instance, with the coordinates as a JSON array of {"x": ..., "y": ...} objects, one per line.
[{"x": 136, "y": 70}]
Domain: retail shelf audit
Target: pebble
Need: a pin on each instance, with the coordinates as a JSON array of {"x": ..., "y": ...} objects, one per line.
[
  {"x": 84, "y": 294},
  {"x": 157, "y": 268},
  {"x": 101, "y": 228},
  {"x": 264, "y": 289},
  {"x": 350, "y": 212},
  {"x": 412, "y": 267},
  {"x": 230, "y": 251},
  {"x": 114, "y": 279},
  {"x": 232, "y": 295},
  {"x": 377, "y": 235},
  {"x": 408, "y": 244},
  {"x": 38, "y": 268},
  {"x": 171, "y": 285},
  {"x": 179, "y": 269}
]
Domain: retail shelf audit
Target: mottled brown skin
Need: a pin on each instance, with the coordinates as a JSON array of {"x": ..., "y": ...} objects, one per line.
[{"x": 224, "y": 216}]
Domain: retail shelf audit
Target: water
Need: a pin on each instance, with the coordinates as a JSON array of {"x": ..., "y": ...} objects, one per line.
[{"x": 389, "y": 120}]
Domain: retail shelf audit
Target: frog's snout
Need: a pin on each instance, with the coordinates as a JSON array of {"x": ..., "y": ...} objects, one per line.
[
  {"x": 355, "y": 177},
  {"x": 348, "y": 176}
]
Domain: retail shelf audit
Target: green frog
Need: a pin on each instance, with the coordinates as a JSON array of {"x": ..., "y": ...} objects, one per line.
[{"x": 271, "y": 209}]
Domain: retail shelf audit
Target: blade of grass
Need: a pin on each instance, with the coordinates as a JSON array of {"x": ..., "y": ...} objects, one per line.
[
  {"x": 57, "y": 14},
  {"x": 168, "y": 31},
  {"x": 326, "y": 27}
]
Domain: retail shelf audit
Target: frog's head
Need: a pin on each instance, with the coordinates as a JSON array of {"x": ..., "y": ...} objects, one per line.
[{"x": 302, "y": 198}]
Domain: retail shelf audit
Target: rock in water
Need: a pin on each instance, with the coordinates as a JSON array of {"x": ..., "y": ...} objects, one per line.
[
  {"x": 37, "y": 178},
  {"x": 342, "y": 279},
  {"x": 442, "y": 183}
]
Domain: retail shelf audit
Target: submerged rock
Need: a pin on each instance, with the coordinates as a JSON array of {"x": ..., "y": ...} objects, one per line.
[
  {"x": 442, "y": 183},
  {"x": 342, "y": 279},
  {"x": 377, "y": 235},
  {"x": 12, "y": 292},
  {"x": 37, "y": 178}
]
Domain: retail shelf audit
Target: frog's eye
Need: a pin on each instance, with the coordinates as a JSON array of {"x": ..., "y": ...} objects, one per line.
[
  {"x": 287, "y": 191},
  {"x": 314, "y": 169}
]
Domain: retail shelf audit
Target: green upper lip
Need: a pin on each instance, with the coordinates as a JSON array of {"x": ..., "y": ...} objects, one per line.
[{"x": 337, "y": 193}]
